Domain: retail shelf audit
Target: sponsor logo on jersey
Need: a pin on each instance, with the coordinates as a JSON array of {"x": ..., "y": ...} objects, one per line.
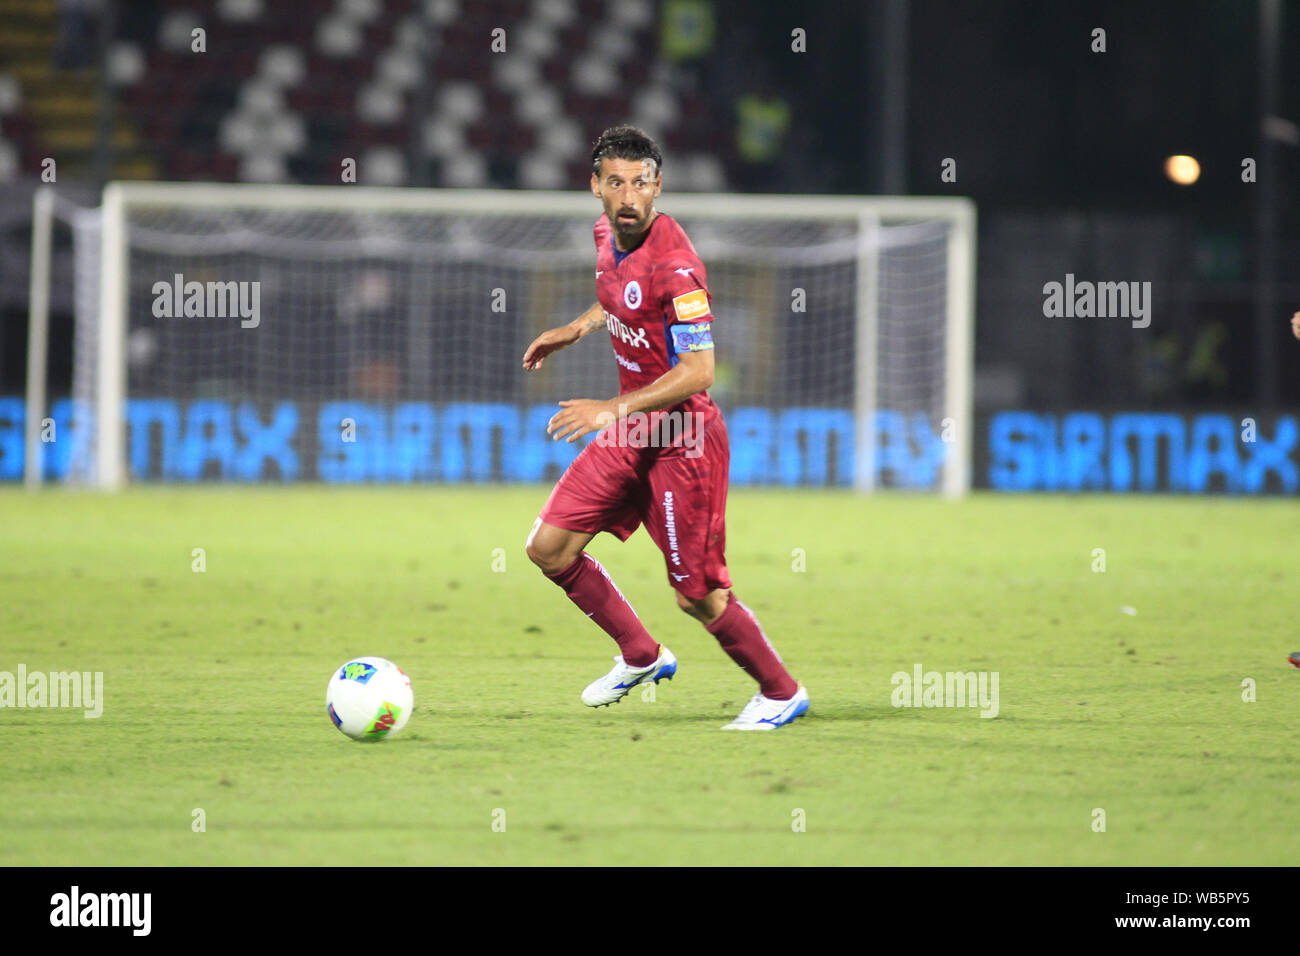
[
  {"x": 692, "y": 338},
  {"x": 691, "y": 305},
  {"x": 670, "y": 524},
  {"x": 621, "y": 332},
  {"x": 628, "y": 363},
  {"x": 632, "y": 295}
]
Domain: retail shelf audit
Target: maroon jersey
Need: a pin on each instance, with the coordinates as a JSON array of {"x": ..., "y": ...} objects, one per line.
[{"x": 657, "y": 305}]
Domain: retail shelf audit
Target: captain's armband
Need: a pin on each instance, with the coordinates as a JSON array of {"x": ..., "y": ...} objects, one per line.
[{"x": 692, "y": 338}]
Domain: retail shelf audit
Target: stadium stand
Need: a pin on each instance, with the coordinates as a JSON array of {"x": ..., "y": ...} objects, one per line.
[{"x": 411, "y": 90}]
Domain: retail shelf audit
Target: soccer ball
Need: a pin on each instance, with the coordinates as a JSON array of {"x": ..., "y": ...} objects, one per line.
[{"x": 369, "y": 698}]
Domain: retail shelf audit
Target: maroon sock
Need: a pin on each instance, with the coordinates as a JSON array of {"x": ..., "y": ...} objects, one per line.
[
  {"x": 738, "y": 632},
  {"x": 589, "y": 586}
]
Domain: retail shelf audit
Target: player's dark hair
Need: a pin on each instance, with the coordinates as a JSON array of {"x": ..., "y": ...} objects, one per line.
[{"x": 625, "y": 142}]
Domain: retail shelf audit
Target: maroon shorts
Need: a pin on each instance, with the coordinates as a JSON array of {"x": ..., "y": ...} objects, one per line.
[{"x": 681, "y": 500}]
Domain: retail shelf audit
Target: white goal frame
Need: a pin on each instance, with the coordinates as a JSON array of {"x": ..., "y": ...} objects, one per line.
[{"x": 120, "y": 198}]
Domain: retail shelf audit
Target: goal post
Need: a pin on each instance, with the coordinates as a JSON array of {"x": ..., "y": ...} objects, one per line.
[
  {"x": 844, "y": 327},
  {"x": 111, "y": 372},
  {"x": 38, "y": 333}
]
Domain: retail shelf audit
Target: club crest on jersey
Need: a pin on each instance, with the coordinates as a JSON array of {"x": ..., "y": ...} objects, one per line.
[{"x": 632, "y": 295}]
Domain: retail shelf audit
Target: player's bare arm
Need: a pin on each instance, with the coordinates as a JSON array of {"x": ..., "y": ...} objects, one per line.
[
  {"x": 1295, "y": 325},
  {"x": 579, "y": 416},
  {"x": 552, "y": 340}
]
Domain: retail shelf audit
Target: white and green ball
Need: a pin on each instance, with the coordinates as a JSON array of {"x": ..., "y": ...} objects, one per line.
[{"x": 369, "y": 698}]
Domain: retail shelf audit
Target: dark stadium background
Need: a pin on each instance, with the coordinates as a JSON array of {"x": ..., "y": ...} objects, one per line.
[{"x": 1061, "y": 148}]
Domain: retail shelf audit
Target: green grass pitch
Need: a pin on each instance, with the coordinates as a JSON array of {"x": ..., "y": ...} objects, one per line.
[{"x": 214, "y": 684}]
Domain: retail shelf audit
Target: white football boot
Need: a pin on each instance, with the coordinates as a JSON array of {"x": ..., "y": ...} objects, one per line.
[
  {"x": 615, "y": 685},
  {"x": 763, "y": 713}
]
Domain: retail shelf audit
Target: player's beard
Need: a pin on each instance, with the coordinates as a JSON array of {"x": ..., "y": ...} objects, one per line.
[{"x": 631, "y": 230}]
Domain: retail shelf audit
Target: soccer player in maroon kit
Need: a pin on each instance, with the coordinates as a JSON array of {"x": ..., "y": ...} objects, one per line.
[{"x": 661, "y": 455}]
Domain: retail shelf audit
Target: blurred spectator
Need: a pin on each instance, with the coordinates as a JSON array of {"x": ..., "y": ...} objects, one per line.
[
  {"x": 762, "y": 120},
  {"x": 686, "y": 30},
  {"x": 1205, "y": 371},
  {"x": 76, "y": 46}
]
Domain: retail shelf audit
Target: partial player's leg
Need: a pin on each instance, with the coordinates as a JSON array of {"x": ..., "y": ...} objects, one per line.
[
  {"x": 560, "y": 555},
  {"x": 738, "y": 632},
  {"x": 686, "y": 516},
  {"x": 553, "y": 549},
  {"x": 596, "y": 497},
  {"x": 707, "y": 609},
  {"x": 780, "y": 699}
]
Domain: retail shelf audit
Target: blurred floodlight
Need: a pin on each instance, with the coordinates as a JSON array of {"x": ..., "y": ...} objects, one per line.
[{"x": 1184, "y": 170}]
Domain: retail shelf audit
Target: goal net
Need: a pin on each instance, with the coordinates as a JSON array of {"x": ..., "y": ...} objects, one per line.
[{"x": 355, "y": 334}]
